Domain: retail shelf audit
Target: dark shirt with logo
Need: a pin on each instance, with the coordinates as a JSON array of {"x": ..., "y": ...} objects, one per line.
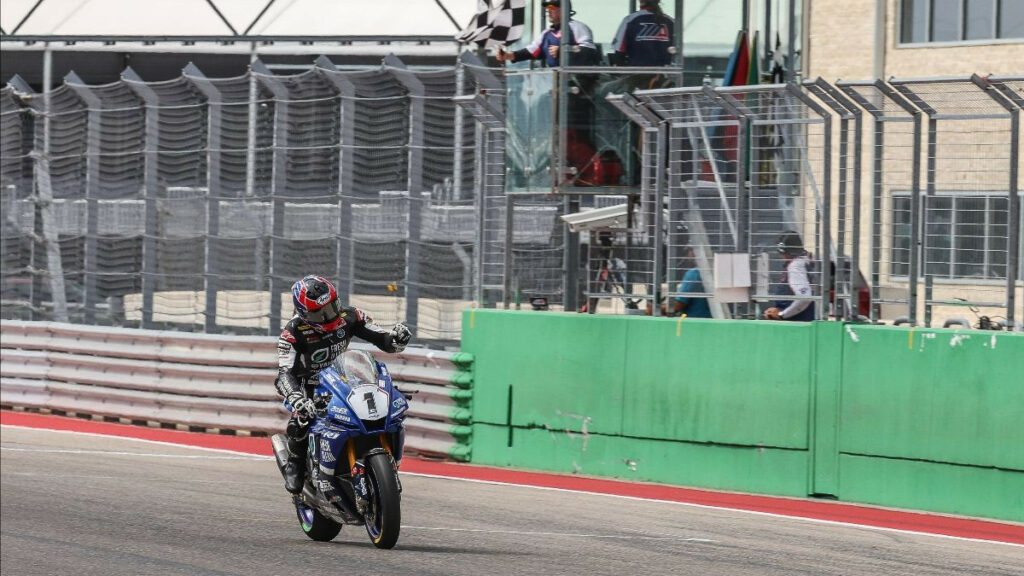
[
  {"x": 645, "y": 37},
  {"x": 303, "y": 351}
]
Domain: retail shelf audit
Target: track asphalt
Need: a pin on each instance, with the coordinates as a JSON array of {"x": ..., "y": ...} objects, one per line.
[{"x": 824, "y": 511}]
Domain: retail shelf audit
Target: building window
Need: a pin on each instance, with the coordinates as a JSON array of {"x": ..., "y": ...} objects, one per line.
[
  {"x": 966, "y": 236},
  {"x": 960, "y": 20}
]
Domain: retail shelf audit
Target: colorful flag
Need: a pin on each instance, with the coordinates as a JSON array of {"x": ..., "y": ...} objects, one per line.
[
  {"x": 736, "y": 74},
  {"x": 754, "y": 72},
  {"x": 739, "y": 62}
]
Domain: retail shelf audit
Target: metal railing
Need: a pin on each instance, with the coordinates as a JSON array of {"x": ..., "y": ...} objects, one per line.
[
  {"x": 208, "y": 381},
  {"x": 883, "y": 182},
  {"x": 192, "y": 204}
]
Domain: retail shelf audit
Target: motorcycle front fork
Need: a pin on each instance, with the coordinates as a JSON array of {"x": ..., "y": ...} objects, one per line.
[{"x": 357, "y": 468}]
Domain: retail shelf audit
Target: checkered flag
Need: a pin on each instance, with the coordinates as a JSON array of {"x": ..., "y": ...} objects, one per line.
[{"x": 498, "y": 23}]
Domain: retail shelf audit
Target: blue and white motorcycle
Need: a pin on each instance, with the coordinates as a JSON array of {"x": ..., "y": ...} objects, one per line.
[{"x": 355, "y": 448}]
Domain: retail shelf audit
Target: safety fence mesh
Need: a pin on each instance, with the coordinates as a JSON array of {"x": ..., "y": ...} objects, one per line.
[
  {"x": 903, "y": 195},
  {"x": 193, "y": 204}
]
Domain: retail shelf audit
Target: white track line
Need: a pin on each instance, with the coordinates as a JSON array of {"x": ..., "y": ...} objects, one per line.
[
  {"x": 566, "y": 534},
  {"x": 113, "y": 453},
  {"x": 723, "y": 508},
  {"x": 156, "y": 442},
  {"x": 634, "y": 498}
]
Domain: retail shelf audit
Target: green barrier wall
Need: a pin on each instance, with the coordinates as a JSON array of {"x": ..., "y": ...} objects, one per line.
[
  {"x": 933, "y": 419},
  {"x": 926, "y": 419}
]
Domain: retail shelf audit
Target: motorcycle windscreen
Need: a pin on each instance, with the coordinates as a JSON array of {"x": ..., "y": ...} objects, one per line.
[{"x": 357, "y": 366}]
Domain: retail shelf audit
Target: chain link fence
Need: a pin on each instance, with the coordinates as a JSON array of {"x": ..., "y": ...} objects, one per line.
[{"x": 193, "y": 204}]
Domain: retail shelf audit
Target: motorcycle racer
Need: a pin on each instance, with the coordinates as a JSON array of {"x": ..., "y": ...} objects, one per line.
[{"x": 320, "y": 331}]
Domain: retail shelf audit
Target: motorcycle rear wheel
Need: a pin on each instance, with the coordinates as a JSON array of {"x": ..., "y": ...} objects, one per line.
[
  {"x": 384, "y": 512},
  {"x": 317, "y": 526}
]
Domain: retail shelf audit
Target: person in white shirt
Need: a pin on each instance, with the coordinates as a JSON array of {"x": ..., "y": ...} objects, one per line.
[{"x": 795, "y": 282}]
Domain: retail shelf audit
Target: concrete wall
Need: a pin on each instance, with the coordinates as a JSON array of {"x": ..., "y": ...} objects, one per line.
[{"x": 926, "y": 419}]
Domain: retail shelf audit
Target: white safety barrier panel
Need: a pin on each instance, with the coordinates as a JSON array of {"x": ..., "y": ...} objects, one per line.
[{"x": 208, "y": 381}]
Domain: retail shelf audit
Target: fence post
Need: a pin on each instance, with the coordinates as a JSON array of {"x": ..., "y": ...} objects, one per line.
[
  {"x": 457, "y": 137},
  {"x": 416, "y": 115},
  {"x": 929, "y": 195},
  {"x": 917, "y": 244},
  {"x": 43, "y": 214},
  {"x": 37, "y": 236},
  {"x": 278, "y": 186},
  {"x": 571, "y": 240},
  {"x": 346, "y": 139},
  {"x": 35, "y": 296},
  {"x": 92, "y": 182},
  {"x": 858, "y": 135},
  {"x": 660, "y": 167},
  {"x": 1007, "y": 98},
  {"x": 877, "y": 159},
  {"x": 490, "y": 124},
  {"x": 650, "y": 121},
  {"x": 1013, "y": 254},
  {"x": 847, "y": 110},
  {"x": 50, "y": 233},
  {"x": 743, "y": 125},
  {"x": 742, "y": 114},
  {"x": 482, "y": 138},
  {"x": 825, "y": 242},
  {"x": 214, "y": 108},
  {"x": 506, "y": 284},
  {"x": 151, "y": 103}
]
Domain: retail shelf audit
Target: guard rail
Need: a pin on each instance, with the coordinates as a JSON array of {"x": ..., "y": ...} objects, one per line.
[{"x": 208, "y": 381}]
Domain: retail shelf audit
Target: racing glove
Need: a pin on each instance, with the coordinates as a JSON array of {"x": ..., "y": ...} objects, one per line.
[
  {"x": 400, "y": 336},
  {"x": 302, "y": 406}
]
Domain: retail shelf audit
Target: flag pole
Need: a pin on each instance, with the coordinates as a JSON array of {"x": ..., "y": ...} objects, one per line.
[{"x": 746, "y": 15}]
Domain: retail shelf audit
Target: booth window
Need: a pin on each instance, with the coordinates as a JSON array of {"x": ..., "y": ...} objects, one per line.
[
  {"x": 966, "y": 236},
  {"x": 926, "y": 21}
]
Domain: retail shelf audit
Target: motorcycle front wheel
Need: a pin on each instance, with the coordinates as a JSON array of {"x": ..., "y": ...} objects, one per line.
[
  {"x": 314, "y": 524},
  {"x": 383, "y": 513}
]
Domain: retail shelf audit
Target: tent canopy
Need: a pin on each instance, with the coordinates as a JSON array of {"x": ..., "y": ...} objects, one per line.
[{"x": 379, "y": 18}]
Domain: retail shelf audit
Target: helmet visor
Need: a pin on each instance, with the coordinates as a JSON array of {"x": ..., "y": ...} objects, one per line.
[{"x": 325, "y": 314}]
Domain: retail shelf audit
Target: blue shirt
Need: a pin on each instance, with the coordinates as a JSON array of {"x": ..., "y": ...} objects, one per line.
[
  {"x": 579, "y": 35},
  {"x": 696, "y": 307}
]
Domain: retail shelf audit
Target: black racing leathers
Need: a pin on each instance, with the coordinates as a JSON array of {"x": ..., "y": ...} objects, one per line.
[{"x": 302, "y": 351}]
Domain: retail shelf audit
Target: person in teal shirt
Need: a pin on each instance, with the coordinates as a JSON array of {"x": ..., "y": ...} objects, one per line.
[{"x": 692, "y": 306}]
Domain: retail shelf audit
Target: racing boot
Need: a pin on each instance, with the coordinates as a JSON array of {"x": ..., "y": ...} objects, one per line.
[
  {"x": 294, "y": 469},
  {"x": 294, "y": 473}
]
